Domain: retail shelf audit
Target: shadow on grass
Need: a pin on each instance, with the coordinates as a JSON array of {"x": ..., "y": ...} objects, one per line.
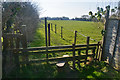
[{"x": 96, "y": 70}]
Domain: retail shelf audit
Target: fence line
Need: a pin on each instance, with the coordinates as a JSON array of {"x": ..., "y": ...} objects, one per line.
[{"x": 78, "y": 33}]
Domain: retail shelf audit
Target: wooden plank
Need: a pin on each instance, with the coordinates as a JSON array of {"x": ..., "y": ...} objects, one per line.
[
  {"x": 56, "y": 51},
  {"x": 88, "y": 38},
  {"x": 56, "y": 47},
  {"x": 70, "y": 58}
]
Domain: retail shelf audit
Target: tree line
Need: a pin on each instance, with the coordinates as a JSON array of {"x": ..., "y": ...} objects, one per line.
[{"x": 82, "y": 18}]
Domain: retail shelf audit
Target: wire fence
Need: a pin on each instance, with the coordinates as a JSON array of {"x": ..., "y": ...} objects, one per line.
[{"x": 80, "y": 34}]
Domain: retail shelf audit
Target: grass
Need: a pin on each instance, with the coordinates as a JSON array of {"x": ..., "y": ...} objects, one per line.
[
  {"x": 84, "y": 27},
  {"x": 96, "y": 70},
  {"x": 91, "y": 29}
]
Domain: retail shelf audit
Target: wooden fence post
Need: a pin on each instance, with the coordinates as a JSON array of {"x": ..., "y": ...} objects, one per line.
[
  {"x": 74, "y": 50},
  {"x": 46, "y": 39},
  {"x": 61, "y": 32},
  {"x": 88, "y": 38},
  {"x": 73, "y": 56},
  {"x": 51, "y": 27},
  {"x": 48, "y": 34},
  {"x": 55, "y": 29},
  {"x": 75, "y": 37}
]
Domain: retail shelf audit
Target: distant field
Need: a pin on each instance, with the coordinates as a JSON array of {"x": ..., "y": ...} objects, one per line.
[{"x": 86, "y": 28}]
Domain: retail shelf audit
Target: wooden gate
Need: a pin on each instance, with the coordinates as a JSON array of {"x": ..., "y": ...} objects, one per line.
[{"x": 10, "y": 57}]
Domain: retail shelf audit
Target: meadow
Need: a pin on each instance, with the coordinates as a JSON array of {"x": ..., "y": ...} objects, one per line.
[{"x": 83, "y": 28}]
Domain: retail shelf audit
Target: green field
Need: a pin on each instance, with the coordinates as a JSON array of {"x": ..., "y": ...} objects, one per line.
[
  {"x": 91, "y": 29},
  {"x": 86, "y": 28}
]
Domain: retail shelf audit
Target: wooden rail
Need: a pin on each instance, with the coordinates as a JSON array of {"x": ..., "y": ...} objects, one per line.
[
  {"x": 25, "y": 51},
  {"x": 55, "y": 47},
  {"x": 57, "y": 59}
]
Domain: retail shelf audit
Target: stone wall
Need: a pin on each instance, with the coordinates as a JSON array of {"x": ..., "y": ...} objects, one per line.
[
  {"x": 117, "y": 49},
  {"x": 111, "y": 44}
]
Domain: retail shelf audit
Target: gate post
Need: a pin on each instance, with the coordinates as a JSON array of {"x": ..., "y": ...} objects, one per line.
[{"x": 103, "y": 57}]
